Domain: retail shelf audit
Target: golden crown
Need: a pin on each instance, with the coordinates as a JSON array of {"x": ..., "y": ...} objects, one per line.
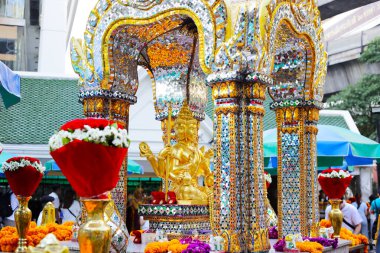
[{"x": 185, "y": 113}]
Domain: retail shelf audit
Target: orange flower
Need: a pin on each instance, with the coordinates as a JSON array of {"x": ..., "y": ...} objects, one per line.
[
  {"x": 9, "y": 237},
  {"x": 312, "y": 247},
  {"x": 355, "y": 239},
  {"x": 325, "y": 223}
]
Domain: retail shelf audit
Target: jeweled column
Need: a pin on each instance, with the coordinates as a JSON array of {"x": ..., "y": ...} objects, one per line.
[
  {"x": 105, "y": 104},
  {"x": 253, "y": 208},
  {"x": 291, "y": 169},
  {"x": 119, "y": 111},
  {"x": 225, "y": 211}
]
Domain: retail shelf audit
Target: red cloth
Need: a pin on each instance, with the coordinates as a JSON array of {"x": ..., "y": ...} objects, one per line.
[
  {"x": 92, "y": 169},
  {"x": 158, "y": 198},
  {"x": 24, "y": 181},
  {"x": 172, "y": 199},
  {"x": 334, "y": 187}
]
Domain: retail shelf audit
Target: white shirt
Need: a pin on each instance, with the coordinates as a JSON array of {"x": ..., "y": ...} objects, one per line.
[
  {"x": 55, "y": 202},
  {"x": 350, "y": 214},
  {"x": 75, "y": 212},
  {"x": 362, "y": 210},
  {"x": 14, "y": 205}
]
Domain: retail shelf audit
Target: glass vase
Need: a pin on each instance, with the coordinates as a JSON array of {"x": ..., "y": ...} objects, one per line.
[
  {"x": 94, "y": 236},
  {"x": 23, "y": 216},
  {"x": 336, "y": 216}
]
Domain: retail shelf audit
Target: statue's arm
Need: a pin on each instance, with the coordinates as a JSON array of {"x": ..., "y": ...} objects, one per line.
[{"x": 146, "y": 152}]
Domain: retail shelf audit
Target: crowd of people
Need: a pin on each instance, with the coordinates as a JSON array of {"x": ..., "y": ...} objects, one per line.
[{"x": 67, "y": 207}]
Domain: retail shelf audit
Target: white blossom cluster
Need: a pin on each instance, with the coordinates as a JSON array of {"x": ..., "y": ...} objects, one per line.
[
  {"x": 15, "y": 165},
  {"x": 109, "y": 136},
  {"x": 268, "y": 178},
  {"x": 335, "y": 174}
]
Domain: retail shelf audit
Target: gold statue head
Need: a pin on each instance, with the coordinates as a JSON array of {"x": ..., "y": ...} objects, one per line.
[{"x": 186, "y": 126}]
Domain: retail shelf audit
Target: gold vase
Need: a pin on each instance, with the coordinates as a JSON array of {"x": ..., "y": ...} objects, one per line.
[
  {"x": 94, "y": 236},
  {"x": 23, "y": 216},
  {"x": 336, "y": 216},
  {"x": 48, "y": 214}
]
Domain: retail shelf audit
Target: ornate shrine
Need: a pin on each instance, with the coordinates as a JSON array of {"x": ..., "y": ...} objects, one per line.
[{"x": 239, "y": 49}]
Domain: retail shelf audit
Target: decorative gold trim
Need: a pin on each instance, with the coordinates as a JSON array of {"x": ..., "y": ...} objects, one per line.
[
  {"x": 279, "y": 171},
  {"x": 256, "y": 110},
  {"x": 228, "y": 89},
  {"x": 303, "y": 173},
  {"x": 233, "y": 168},
  {"x": 232, "y": 109}
]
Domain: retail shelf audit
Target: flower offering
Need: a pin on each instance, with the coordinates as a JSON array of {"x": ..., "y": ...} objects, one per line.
[
  {"x": 334, "y": 182},
  {"x": 87, "y": 150},
  {"x": 9, "y": 237},
  {"x": 23, "y": 174}
]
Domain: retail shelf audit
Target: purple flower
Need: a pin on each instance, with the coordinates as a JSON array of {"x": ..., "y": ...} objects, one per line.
[
  {"x": 280, "y": 245},
  {"x": 197, "y": 246},
  {"x": 323, "y": 241},
  {"x": 186, "y": 240},
  {"x": 273, "y": 233}
]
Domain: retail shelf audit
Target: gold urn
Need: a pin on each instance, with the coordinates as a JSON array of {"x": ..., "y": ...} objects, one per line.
[
  {"x": 94, "y": 236},
  {"x": 23, "y": 216},
  {"x": 336, "y": 216}
]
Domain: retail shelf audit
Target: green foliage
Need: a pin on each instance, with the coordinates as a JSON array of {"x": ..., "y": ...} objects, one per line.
[
  {"x": 358, "y": 99},
  {"x": 372, "y": 53}
]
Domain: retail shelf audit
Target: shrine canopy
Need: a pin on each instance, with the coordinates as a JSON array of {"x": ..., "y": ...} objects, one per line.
[{"x": 333, "y": 145}]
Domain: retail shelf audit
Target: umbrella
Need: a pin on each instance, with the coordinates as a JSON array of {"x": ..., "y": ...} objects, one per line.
[
  {"x": 10, "y": 90},
  {"x": 133, "y": 167},
  {"x": 333, "y": 145}
]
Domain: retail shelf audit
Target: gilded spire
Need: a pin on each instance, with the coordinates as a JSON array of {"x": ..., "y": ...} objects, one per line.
[{"x": 185, "y": 113}]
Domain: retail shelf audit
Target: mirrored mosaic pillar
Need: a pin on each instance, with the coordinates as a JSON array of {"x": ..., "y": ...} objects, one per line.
[
  {"x": 292, "y": 202},
  {"x": 106, "y": 106},
  {"x": 297, "y": 170},
  {"x": 225, "y": 212},
  {"x": 253, "y": 188}
]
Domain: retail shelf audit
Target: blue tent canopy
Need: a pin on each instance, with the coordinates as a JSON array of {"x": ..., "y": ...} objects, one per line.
[{"x": 133, "y": 167}]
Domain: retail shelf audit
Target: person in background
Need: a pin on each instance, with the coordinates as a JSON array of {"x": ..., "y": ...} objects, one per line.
[
  {"x": 363, "y": 211},
  {"x": 10, "y": 220},
  {"x": 375, "y": 209},
  {"x": 55, "y": 194},
  {"x": 133, "y": 219},
  {"x": 70, "y": 207},
  {"x": 44, "y": 200},
  {"x": 372, "y": 216},
  {"x": 351, "y": 217}
]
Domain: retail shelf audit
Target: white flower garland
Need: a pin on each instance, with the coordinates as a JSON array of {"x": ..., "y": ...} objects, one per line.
[
  {"x": 335, "y": 174},
  {"x": 15, "y": 165},
  {"x": 268, "y": 178},
  {"x": 119, "y": 137}
]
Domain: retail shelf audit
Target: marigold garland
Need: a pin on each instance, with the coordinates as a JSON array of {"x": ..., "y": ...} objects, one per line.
[
  {"x": 355, "y": 239},
  {"x": 9, "y": 237},
  {"x": 163, "y": 247},
  {"x": 312, "y": 247}
]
